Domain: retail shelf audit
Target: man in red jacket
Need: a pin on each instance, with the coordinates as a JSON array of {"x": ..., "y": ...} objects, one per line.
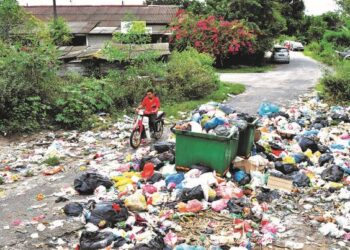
[{"x": 151, "y": 105}]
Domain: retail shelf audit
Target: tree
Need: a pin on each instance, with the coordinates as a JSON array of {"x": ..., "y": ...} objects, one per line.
[
  {"x": 345, "y": 5},
  {"x": 60, "y": 32},
  {"x": 293, "y": 12},
  {"x": 165, "y": 2},
  {"x": 11, "y": 17}
]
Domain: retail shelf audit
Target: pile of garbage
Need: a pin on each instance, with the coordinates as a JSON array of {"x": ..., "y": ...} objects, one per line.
[
  {"x": 216, "y": 119},
  {"x": 297, "y": 174}
]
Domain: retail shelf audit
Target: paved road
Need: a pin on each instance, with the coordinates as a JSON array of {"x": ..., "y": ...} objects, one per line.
[{"x": 281, "y": 85}]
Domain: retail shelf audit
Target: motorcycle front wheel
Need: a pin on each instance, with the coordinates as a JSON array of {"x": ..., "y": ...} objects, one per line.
[
  {"x": 159, "y": 130},
  {"x": 135, "y": 139}
]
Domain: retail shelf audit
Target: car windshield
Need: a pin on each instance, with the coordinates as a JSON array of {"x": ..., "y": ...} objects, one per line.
[{"x": 280, "y": 50}]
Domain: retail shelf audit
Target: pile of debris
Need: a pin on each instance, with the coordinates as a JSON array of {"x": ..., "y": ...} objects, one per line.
[{"x": 297, "y": 175}]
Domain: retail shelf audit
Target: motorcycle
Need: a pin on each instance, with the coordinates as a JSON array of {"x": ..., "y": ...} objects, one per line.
[{"x": 141, "y": 128}]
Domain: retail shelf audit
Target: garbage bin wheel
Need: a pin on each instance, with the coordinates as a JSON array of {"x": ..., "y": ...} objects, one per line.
[
  {"x": 159, "y": 130},
  {"x": 135, "y": 138}
]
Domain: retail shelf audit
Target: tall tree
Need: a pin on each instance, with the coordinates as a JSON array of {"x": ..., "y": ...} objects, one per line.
[
  {"x": 11, "y": 17},
  {"x": 293, "y": 12},
  {"x": 345, "y": 5}
]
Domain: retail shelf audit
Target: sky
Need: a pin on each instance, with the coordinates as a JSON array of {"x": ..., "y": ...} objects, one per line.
[{"x": 313, "y": 7}]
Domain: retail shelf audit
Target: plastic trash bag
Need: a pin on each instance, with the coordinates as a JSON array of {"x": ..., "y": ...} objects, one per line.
[
  {"x": 333, "y": 173},
  {"x": 111, "y": 212},
  {"x": 156, "y": 243},
  {"x": 149, "y": 159},
  {"x": 161, "y": 147},
  {"x": 188, "y": 247},
  {"x": 73, "y": 209},
  {"x": 213, "y": 123},
  {"x": 167, "y": 156},
  {"x": 300, "y": 180},
  {"x": 222, "y": 130},
  {"x": 175, "y": 178},
  {"x": 325, "y": 158},
  {"x": 241, "y": 177},
  {"x": 95, "y": 240},
  {"x": 285, "y": 168},
  {"x": 226, "y": 109},
  {"x": 235, "y": 206},
  {"x": 187, "y": 194},
  {"x": 306, "y": 143},
  {"x": 136, "y": 202},
  {"x": 88, "y": 182},
  {"x": 268, "y": 195},
  {"x": 267, "y": 108}
]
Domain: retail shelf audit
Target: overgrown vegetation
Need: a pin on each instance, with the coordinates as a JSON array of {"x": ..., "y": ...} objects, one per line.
[
  {"x": 328, "y": 34},
  {"x": 33, "y": 96},
  {"x": 174, "y": 109}
]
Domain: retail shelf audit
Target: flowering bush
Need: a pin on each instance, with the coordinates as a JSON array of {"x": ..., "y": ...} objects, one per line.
[{"x": 219, "y": 38}]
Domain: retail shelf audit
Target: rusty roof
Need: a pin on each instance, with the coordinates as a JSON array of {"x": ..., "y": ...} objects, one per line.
[{"x": 105, "y": 16}]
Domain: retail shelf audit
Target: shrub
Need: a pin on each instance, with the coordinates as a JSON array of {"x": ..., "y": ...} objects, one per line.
[
  {"x": 79, "y": 101},
  {"x": 338, "y": 38},
  {"x": 337, "y": 86},
  {"x": 221, "y": 39},
  {"x": 190, "y": 75}
]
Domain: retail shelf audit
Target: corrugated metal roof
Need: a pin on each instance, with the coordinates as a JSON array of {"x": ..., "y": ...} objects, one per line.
[
  {"x": 89, "y": 52},
  {"x": 107, "y": 14}
]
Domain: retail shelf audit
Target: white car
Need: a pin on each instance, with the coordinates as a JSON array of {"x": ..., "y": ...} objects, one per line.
[
  {"x": 280, "y": 54},
  {"x": 297, "y": 46}
]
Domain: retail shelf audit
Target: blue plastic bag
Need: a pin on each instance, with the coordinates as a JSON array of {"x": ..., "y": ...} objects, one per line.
[
  {"x": 267, "y": 108},
  {"x": 213, "y": 123},
  {"x": 175, "y": 178}
]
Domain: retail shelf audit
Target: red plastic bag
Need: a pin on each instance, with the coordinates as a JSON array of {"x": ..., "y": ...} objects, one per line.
[{"x": 148, "y": 171}]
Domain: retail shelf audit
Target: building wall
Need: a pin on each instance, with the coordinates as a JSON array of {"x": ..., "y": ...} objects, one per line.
[{"x": 97, "y": 40}]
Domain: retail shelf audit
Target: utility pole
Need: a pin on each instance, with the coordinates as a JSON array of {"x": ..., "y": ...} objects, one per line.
[{"x": 54, "y": 11}]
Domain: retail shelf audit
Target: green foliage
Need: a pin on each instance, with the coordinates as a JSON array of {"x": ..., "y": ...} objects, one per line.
[
  {"x": 79, "y": 101},
  {"x": 123, "y": 45},
  {"x": 340, "y": 39},
  {"x": 11, "y": 17},
  {"x": 191, "y": 75},
  {"x": 173, "y": 108},
  {"x": 337, "y": 85},
  {"x": 52, "y": 161},
  {"x": 345, "y": 5},
  {"x": 60, "y": 32}
]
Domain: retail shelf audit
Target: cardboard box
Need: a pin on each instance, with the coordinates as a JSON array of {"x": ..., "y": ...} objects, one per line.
[
  {"x": 247, "y": 165},
  {"x": 280, "y": 184}
]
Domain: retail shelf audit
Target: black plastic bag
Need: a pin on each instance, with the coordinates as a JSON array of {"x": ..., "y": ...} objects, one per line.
[
  {"x": 166, "y": 156},
  {"x": 162, "y": 147},
  {"x": 188, "y": 194},
  {"x": 333, "y": 173},
  {"x": 267, "y": 195},
  {"x": 111, "y": 211},
  {"x": 323, "y": 149},
  {"x": 88, "y": 182},
  {"x": 235, "y": 206},
  {"x": 155, "y": 178},
  {"x": 156, "y": 162},
  {"x": 203, "y": 169},
  {"x": 95, "y": 240},
  {"x": 325, "y": 158},
  {"x": 300, "y": 180},
  {"x": 155, "y": 244},
  {"x": 73, "y": 209},
  {"x": 306, "y": 143},
  {"x": 285, "y": 168}
]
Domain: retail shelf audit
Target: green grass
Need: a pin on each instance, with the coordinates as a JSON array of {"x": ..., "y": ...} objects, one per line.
[
  {"x": 246, "y": 69},
  {"x": 52, "y": 161},
  {"x": 172, "y": 109}
]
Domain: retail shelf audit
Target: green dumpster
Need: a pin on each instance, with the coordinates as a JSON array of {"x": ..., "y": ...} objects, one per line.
[
  {"x": 246, "y": 139},
  {"x": 212, "y": 151}
]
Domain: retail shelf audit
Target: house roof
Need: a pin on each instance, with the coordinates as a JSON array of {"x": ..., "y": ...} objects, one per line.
[
  {"x": 90, "y": 52},
  {"x": 82, "y": 19}
]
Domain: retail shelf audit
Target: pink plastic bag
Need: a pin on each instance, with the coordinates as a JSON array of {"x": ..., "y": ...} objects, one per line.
[
  {"x": 149, "y": 189},
  {"x": 219, "y": 205},
  {"x": 170, "y": 239},
  {"x": 194, "y": 206}
]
